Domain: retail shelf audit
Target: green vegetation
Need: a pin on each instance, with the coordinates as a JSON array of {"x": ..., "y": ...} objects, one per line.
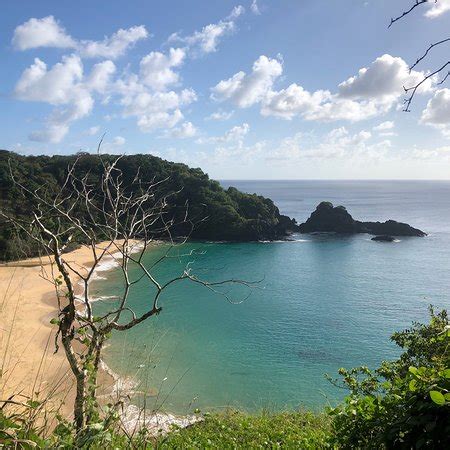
[
  {"x": 213, "y": 212},
  {"x": 403, "y": 404},
  {"x": 237, "y": 430}
]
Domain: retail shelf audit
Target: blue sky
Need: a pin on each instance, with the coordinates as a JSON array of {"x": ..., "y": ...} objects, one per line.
[{"x": 253, "y": 89}]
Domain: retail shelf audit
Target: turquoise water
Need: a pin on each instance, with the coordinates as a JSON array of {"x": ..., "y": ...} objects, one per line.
[{"x": 324, "y": 302}]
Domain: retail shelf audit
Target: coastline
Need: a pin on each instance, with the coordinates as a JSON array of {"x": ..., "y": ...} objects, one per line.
[
  {"x": 28, "y": 302},
  {"x": 30, "y": 366}
]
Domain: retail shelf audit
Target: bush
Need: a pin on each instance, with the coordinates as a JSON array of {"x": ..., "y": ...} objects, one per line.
[
  {"x": 402, "y": 404},
  {"x": 231, "y": 430}
]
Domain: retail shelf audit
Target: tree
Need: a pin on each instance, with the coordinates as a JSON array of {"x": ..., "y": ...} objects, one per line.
[
  {"x": 114, "y": 218},
  {"x": 441, "y": 71}
]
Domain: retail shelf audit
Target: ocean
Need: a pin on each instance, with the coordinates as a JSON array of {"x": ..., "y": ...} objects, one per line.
[{"x": 321, "y": 302}]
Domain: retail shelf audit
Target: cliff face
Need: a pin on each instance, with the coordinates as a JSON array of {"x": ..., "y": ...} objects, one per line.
[{"x": 329, "y": 218}]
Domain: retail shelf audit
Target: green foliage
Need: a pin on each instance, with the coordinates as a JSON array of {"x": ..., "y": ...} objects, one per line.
[
  {"x": 231, "y": 430},
  {"x": 217, "y": 214},
  {"x": 402, "y": 404}
]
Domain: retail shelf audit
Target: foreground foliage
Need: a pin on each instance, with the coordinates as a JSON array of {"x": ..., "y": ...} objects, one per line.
[
  {"x": 403, "y": 404},
  {"x": 225, "y": 431},
  {"x": 237, "y": 430}
]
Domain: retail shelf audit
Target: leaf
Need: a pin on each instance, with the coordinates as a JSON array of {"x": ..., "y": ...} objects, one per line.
[
  {"x": 412, "y": 385},
  {"x": 447, "y": 373},
  {"x": 437, "y": 398},
  {"x": 413, "y": 370},
  {"x": 33, "y": 403}
]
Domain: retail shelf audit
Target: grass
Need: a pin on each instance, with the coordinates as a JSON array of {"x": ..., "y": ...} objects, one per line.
[
  {"x": 234, "y": 429},
  {"x": 230, "y": 430}
]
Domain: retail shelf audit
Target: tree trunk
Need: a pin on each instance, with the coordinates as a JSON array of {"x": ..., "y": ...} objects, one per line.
[{"x": 80, "y": 399}]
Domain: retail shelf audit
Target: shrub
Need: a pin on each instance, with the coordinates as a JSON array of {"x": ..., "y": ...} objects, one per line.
[
  {"x": 234, "y": 429},
  {"x": 404, "y": 403}
]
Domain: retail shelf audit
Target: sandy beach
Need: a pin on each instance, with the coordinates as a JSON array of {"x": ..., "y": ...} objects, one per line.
[
  {"x": 31, "y": 369},
  {"x": 29, "y": 365}
]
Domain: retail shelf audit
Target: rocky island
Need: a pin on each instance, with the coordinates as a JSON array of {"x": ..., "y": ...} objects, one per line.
[
  {"x": 329, "y": 218},
  {"x": 383, "y": 238}
]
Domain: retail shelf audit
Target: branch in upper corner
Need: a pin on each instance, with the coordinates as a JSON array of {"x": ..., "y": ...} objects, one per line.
[
  {"x": 443, "y": 41},
  {"x": 405, "y": 13},
  {"x": 413, "y": 89}
]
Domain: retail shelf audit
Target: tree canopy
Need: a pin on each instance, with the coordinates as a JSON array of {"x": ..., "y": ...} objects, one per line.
[{"x": 215, "y": 213}]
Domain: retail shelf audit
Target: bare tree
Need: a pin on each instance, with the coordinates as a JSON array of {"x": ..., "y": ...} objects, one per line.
[
  {"x": 442, "y": 71},
  {"x": 125, "y": 218}
]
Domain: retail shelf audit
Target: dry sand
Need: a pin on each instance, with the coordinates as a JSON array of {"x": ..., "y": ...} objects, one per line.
[
  {"x": 30, "y": 368},
  {"x": 27, "y": 339}
]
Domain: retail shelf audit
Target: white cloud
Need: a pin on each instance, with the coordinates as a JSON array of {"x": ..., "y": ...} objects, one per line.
[
  {"x": 292, "y": 101},
  {"x": 54, "y": 86},
  {"x": 53, "y": 133},
  {"x": 92, "y": 131},
  {"x": 236, "y": 12},
  {"x": 57, "y": 124},
  {"x": 45, "y": 32},
  {"x": 255, "y": 8},
  {"x": 437, "y": 8},
  {"x": 100, "y": 77},
  {"x": 246, "y": 90},
  {"x": 348, "y": 110},
  {"x": 437, "y": 111},
  {"x": 153, "y": 110},
  {"x": 185, "y": 130},
  {"x": 113, "y": 46},
  {"x": 235, "y": 134},
  {"x": 337, "y": 144},
  {"x": 434, "y": 154},
  {"x": 65, "y": 87},
  {"x": 384, "y": 126},
  {"x": 118, "y": 141},
  {"x": 207, "y": 40},
  {"x": 146, "y": 97},
  {"x": 382, "y": 81},
  {"x": 156, "y": 68},
  {"x": 159, "y": 119},
  {"x": 372, "y": 92},
  {"x": 220, "y": 115}
]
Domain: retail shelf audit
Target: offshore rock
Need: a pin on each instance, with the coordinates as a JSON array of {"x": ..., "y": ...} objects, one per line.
[{"x": 336, "y": 219}]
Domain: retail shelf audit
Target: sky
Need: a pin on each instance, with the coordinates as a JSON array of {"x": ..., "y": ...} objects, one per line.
[{"x": 250, "y": 89}]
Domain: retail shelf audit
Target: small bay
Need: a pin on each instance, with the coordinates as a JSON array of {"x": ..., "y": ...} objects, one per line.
[{"x": 323, "y": 302}]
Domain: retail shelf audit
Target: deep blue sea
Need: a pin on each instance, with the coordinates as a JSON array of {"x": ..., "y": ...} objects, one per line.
[{"x": 324, "y": 302}]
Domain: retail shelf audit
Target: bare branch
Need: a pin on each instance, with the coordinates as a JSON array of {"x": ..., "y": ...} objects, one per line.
[
  {"x": 413, "y": 89},
  {"x": 405, "y": 13},
  {"x": 419, "y": 60}
]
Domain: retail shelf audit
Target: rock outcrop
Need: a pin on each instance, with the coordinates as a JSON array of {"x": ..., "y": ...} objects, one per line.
[
  {"x": 329, "y": 218},
  {"x": 383, "y": 238}
]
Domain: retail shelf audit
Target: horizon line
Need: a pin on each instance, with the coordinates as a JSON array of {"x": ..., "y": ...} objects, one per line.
[{"x": 333, "y": 179}]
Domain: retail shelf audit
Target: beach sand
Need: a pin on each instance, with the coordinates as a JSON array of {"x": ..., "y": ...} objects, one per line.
[
  {"x": 27, "y": 339},
  {"x": 31, "y": 369}
]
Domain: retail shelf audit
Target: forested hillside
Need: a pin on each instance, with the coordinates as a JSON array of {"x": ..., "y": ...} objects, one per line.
[{"x": 218, "y": 214}]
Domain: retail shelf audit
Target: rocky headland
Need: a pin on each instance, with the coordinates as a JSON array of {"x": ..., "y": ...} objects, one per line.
[{"x": 329, "y": 218}]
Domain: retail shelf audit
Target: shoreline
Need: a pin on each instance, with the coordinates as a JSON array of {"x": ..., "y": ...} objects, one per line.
[
  {"x": 30, "y": 366},
  {"x": 28, "y": 302}
]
